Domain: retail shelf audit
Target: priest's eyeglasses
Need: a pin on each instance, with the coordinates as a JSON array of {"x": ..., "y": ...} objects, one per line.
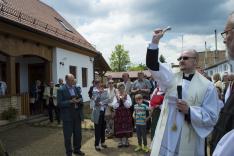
[
  {"x": 185, "y": 58},
  {"x": 225, "y": 33}
]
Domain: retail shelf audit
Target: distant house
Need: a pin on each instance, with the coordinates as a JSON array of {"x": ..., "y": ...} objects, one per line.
[
  {"x": 221, "y": 68},
  {"x": 117, "y": 76},
  {"x": 209, "y": 58},
  {"x": 36, "y": 43}
]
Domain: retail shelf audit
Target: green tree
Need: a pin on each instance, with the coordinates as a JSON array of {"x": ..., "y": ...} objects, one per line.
[
  {"x": 119, "y": 59},
  {"x": 138, "y": 67},
  {"x": 162, "y": 59}
]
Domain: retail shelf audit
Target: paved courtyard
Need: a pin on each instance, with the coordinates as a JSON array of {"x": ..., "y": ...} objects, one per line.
[{"x": 47, "y": 140}]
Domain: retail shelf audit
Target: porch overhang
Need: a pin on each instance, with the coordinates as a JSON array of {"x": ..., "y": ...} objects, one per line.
[{"x": 100, "y": 64}]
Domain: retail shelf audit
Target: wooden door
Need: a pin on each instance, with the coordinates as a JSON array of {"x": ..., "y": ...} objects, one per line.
[{"x": 36, "y": 72}]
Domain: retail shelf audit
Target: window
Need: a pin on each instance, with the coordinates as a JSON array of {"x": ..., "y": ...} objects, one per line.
[
  {"x": 84, "y": 77},
  {"x": 72, "y": 70},
  {"x": 225, "y": 67},
  {"x": 220, "y": 68},
  {"x": 63, "y": 24},
  {"x": 211, "y": 73}
]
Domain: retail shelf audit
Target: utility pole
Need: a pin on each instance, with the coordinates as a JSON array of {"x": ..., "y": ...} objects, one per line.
[
  {"x": 205, "y": 56},
  {"x": 215, "y": 54},
  {"x": 182, "y": 48}
]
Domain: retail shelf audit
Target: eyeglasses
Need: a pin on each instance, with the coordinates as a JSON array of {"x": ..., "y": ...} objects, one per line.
[
  {"x": 185, "y": 58},
  {"x": 225, "y": 33}
]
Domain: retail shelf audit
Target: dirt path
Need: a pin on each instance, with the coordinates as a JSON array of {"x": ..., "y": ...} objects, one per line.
[
  {"x": 44, "y": 140},
  {"x": 112, "y": 149}
]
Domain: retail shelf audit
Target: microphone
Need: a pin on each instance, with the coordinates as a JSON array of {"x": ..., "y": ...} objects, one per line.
[{"x": 179, "y": 93}]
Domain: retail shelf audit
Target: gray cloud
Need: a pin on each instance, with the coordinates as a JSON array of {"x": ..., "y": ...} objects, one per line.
[
  {"x": 185, "y": 16},
  {"x": 81, "y": 8}
]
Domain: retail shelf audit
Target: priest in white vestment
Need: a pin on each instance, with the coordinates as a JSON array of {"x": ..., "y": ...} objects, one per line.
[{"x": 185, "y": 121}]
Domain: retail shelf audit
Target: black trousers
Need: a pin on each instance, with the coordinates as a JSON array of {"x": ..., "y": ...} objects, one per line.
[
  {"x": 148, "y": 123},
  {"x": 51, "y": 108},
  {"x": 100, "y": 129},
  {"x": 69, "y": 128}
]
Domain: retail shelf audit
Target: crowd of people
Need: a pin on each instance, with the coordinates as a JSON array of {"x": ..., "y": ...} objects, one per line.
[
  {"x": 117, "y": 110},
  {"x": 121, "y": 108}
]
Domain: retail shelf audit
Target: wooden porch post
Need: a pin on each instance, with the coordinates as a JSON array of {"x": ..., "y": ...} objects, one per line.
[
  {"x": 48, "y": 70},
  {"x": 10, "y": 75}
]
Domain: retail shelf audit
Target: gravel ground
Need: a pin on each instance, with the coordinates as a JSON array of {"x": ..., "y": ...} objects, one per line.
[{"x": 47, "y": 140}]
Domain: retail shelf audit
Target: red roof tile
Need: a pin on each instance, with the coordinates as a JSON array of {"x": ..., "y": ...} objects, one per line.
[
  {"x": 41, "y": 17},
  {"x": 132, "y": 74}
]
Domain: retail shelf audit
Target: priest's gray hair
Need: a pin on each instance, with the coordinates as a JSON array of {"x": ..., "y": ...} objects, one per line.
[{"x": 231, "y": 18}]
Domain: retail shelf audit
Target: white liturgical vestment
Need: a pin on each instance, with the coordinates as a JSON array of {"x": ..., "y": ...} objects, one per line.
[{"x": 188, "y": 138}]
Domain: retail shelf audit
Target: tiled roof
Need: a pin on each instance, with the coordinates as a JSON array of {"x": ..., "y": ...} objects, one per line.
[
  {"x": 210, "y": 58},
  {"x": 217, "y": 64},
  {"x": 43, "y": 18},
  {"x": 97, "y": 65}
]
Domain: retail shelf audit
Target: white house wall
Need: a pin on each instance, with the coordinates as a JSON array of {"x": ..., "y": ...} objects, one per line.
[
  {"x": 54, "y": 67},
  {"x": 69, "y": 58},
  {"x": 219, "y": 69}
]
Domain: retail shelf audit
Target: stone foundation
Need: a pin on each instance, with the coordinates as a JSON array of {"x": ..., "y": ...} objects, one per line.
[{"x": 10, "y": 101}]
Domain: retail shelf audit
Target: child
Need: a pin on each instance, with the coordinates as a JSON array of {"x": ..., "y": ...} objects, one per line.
[{"x": 140, "y": 117}]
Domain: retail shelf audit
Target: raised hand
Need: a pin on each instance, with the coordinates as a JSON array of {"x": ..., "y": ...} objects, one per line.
[{"x": 158, "y": 34}]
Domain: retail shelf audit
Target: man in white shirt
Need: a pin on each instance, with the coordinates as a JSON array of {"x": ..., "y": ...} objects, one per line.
[{"x": 190, "y": 108}]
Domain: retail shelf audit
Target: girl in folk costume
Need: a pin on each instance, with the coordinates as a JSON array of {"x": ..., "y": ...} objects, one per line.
[
  {"x": 109, "y": 113},
  {"x": 123, "y": 118}
]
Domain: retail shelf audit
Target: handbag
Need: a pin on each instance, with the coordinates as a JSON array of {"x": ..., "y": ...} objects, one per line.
[
  {"x": 156, "y": 100},
  {"x": 95, "y": 115}
]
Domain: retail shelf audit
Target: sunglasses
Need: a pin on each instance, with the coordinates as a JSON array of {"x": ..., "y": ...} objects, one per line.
[
  {"x": 225, "y": 33},
  {"x": 185, "y": 58}
]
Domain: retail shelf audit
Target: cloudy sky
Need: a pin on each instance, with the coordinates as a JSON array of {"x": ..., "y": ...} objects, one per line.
[{"x": 106, "y": 23}]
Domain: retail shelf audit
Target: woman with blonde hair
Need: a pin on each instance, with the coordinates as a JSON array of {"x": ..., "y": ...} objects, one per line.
[{"x": 217, "y": 80}]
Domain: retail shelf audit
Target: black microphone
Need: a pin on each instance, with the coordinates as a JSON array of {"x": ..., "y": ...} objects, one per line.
[{"x": 179, "y": 92}]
